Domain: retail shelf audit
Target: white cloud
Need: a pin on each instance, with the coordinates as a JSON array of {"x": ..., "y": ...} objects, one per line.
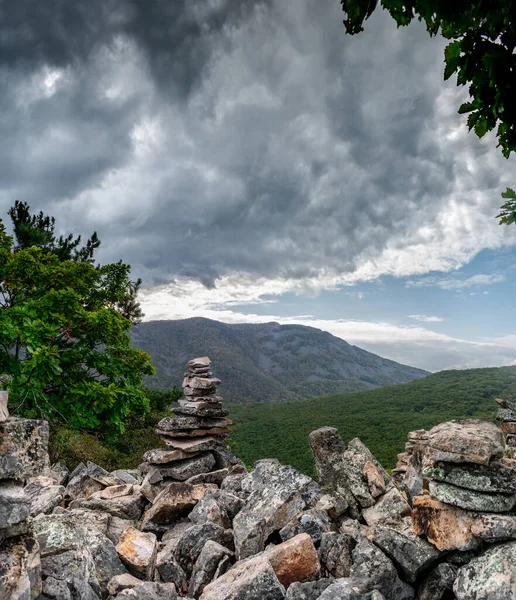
[
  {"x": 454, "y": 283},
  {"x": 426, "y": 318}
]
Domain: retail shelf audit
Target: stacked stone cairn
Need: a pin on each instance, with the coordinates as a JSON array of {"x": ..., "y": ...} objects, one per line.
[
  {"x": 194, "y": 435},
  {"x": 506, "y": 416}
]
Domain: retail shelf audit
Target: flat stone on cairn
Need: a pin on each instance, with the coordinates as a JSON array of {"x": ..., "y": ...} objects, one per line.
[{"x": 506, "y": 416}]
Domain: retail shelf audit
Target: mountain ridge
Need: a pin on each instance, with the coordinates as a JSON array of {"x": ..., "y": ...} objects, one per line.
[{"x": 265, "y": 362}]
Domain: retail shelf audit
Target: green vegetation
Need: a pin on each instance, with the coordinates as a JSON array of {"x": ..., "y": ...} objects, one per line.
[
  {"x": 65, "y": 352},
  {"x": 481, "y": 52},
  {"x": 381, "y": 418}
]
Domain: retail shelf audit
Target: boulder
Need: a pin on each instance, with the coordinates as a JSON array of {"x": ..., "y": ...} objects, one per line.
[
  {"x": 121, "y": 582},
  {"x": 208, "y": 566},
  {"x": 172, "y": 502},
  {"x": 438, "y": 581},
  {"x": 277, "y": 494},
  {"x": 167, "y": 566},
  {"x": 494, "y": 477},
  {"x": 59, "y": 473},
  {"x": 164, "y": 457},
  {"x": 465, "y": 441},
  {"x": 374, "y": 479},
  {"x": 334, "y": 506},
  {"x": 470, "y": 499},
  {"x": 490, "y": 576},
  {"x": 116, "y": 527},
  {"x": 294, "y": 560},
  {"x": 335, "y": 554},
  {"x": 148, "y": 590},
  {"x": 208, "y": 510},
  {"x": 373, "y": 570},
  {"x": 60, "y": 533},
  {"x": 507, "y": 410},
  {"x": 172, "y": 424},
  {"x": 409, "y": 552},
  {"x": 137, "y": 551},
  {"x": 127, "y": 476},
  {"x": 101, "y": 475},
  {"x": 44, "y": 495},
  {"x": 390, "y": 506},
  {"x": 20, "y": 568},
  {"x": 191, "y": 445},
  {"x": 75, "y": 568},
  {"x": 14, "y": 505},
  {"x": 192, "y": 542},
  {"x": 57, "y": 589},
  {"x": 310, "y": 590},
  {"x": 252, "y": 579},
  {"x": 182, "y": 470},
  {"x": 122, "y": 501},
  {"x": 80, "y": 484},
  {"x": 216, "y": 477},
  {"x": 445, "y": 526},
  {"x": 4, "y": 411},
  {"x": 23, "y": 449}
]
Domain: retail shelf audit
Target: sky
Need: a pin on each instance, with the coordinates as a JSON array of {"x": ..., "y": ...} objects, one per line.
[{"x": 254, "y": 163}]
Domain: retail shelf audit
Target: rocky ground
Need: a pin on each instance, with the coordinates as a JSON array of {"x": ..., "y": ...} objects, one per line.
[{"x": 194, "y": 523}]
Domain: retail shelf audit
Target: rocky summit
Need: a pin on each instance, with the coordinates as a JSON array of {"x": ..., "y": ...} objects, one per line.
[{"x": 192, "y": 522}]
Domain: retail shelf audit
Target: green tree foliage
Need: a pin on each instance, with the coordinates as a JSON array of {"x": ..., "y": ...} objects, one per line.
[
  {"x": 65, "y": 352},
  {"x": 481, "y": 53}
]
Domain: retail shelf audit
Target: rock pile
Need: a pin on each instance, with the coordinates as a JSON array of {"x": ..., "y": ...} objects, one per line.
[
  {"x": 273, "y": 533},
  {"x": 506, "y": 416}
]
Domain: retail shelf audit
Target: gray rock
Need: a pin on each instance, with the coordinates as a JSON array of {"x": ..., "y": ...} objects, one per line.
[
  {"x": 20, "y": 568},
  {"x": 14, "y": 505},
  {"x": 56, "y": 589},
  {"x": 335, "y": 554},
  {"x": 372, "y": 570},
  {"x": 507, "y": 411},
  {"x": 122, "y": 501},
  {"x": 170, "y": 504},
  {"x": 44, "y": 495},
  {"x": 233, "y": 485},
  {"x": 59, "y": 533},
  {"x": 208, "y": 510},
  {"x": 152, "y": 484},
  {"x": 225, "y": 459},
  {"x": 465, "y": 441},
  {"x": 203, "y": 409},
  {"x": 127, "y": 476},
  {"x": 167, "y": 566},
  {"x": 115, "y": 528},
  {"x": 80, "y": 484},
  {"x": 59, "y": 472},
  {"x": 334, "y": 506},
  {"x": 470, "y": 499},
  {"x": 490, "y": 576},
  {"x": 149, "y": 591},
  {"x": 75, "y": 568},
  {"x": 314, "y": 522},
  {"x": 310, "y": 590},
  {"x": 164, "y": 457},
  {"x": 277, "y": 494},
  {"x": 121, "y": 582},
  {"x": 252, "y": 579},
  {"x": 192, "y": 542},
  {"x": 182, "y": 470},
  {"x": 391, "y": 506},
  {"x": 172, "y": 536},
  {"x": 495, "y": 477},
  {"x": 411, "y": 553},
  {"x": 4, "y": 412},
  {"x": 191, "y": 422},
  {"x": 344, "y": 589},
  {"x": 438, "y": 581},
  {"x": 412, "y": 482},
  {"x": 207, "y": 565},
  {"x": 493, "y": 527},
  {"x": 202, "y": 444},
  {"x": 101, "y": 475},
  {"x": 216, "y": 477},
  {"x": 24, "y": 449}
]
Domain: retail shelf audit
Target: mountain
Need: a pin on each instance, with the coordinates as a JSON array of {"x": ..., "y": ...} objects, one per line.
[
  {"x": 265, "y": 362},
  {"x": 381, "y": 417}
]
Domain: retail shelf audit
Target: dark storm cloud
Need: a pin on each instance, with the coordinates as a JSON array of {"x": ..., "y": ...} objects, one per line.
[{"x": 203, "y": 137}]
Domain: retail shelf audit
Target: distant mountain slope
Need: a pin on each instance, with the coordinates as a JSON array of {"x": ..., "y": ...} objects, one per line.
[
  {"x": 381, "y": 418},
  {"x": 265, "y": 362}
]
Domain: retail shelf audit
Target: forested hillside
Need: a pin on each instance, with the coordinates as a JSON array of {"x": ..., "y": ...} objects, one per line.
[
  {"x": 381, "y": 417},
  {"x": 265, "y": 362}
]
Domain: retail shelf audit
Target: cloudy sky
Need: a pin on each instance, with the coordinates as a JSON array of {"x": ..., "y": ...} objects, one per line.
[{"x": 254, "y": 163}]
